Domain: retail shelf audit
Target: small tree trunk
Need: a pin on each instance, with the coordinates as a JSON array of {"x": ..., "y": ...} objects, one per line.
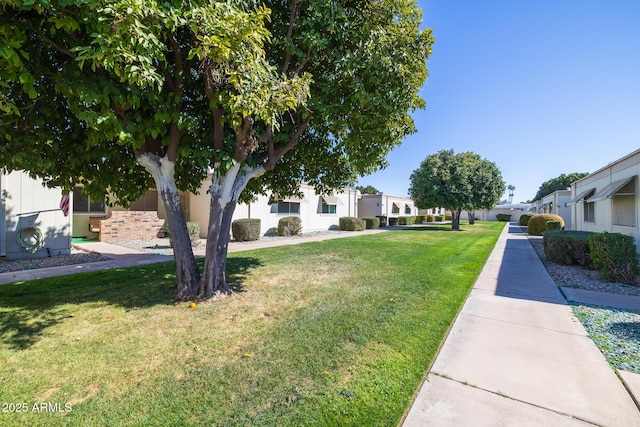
[
  {"x": 187, "y": 273},
  {"x": 472, "y": 217},
  {"x": 455, "y": 219}
]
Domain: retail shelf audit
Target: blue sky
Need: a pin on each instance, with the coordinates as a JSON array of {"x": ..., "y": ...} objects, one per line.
[{"x": 540, "y": 88}]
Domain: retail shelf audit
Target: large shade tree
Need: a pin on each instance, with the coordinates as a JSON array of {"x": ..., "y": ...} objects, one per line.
[
  {"x": 561, "y": 182},
  {"x": 463, "y": 181},
  {"x": 124, "y": 95}
]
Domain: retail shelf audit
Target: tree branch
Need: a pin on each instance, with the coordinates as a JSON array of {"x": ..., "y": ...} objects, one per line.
[
  {"x": 275, "y": 155},
  {"x": 292, "y": 21}
]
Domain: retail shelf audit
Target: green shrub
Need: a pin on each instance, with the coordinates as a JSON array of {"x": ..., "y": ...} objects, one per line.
[
  {"x": 421, "y": 219},
  {"x": 193, "y": 229},
  {"x": 352, "y": 224},
  {"x": 406, "y": 220},
  {"x": 538, "y": 223},
  {"x": 431, "y": 218},
  {"x": 567, "y": 247},
  {"x": 371, "y": 222},
  {"x": 393, "y": 221},
  {"x": 245, "y": 230},
  {"x": 615, "y": 255},
  {"x": 524, "y": 219},
  {"x": 383, "y": 220},
  {"x": 289, "y": 226},
  {"x": 438, "y": 218},
  {"x": 448, "y": 217},
  {"x": 554, "y": 225},
  {"x": 503, "y": 217}
]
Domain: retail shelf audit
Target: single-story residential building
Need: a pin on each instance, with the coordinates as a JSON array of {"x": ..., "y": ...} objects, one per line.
[
  {"x": 317, "y": 212},
  {"x": 371, "y": 205},
  {"x": 608, "y": 199},
  {"x": 556, "y": 203},
  {"x": 145, "y": 218},
  {"x": 32, "y": 221},
  {"x": 513, "y": 209}
]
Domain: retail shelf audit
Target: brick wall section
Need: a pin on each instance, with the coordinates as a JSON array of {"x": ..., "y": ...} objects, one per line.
[{"x": 130, "y": 225}]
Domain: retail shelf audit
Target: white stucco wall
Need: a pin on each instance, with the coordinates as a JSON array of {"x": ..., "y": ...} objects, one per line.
[
  {"x": 371, "y": 205},
  {"x": 310, "y": 210},
  {"x": 25, "y": 203},
  {"x": 623, "y": 168}
]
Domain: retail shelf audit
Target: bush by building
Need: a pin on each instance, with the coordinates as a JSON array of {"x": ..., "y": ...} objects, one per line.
[
  {"x": 245, "y": 230},
  {"x": 289, "y": 226}
]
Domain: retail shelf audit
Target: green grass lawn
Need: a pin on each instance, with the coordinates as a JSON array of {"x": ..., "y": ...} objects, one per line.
[{"x": 339, "y": 332}]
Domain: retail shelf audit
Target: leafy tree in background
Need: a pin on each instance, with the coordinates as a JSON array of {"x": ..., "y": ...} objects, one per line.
[
  {"x": 457, "y": 182},
  {"x": 126, "y": 95},
  {"x": 561, "y": 182},
  {"x": 369, "y": 189},
  {"x": 487, "y": 185}
]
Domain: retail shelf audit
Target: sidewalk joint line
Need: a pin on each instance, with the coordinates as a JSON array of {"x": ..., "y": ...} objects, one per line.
[{"x": 447, "y": 377}]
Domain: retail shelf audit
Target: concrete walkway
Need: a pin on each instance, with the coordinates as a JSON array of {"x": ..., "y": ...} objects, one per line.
[{"x": 516, "y": 356}]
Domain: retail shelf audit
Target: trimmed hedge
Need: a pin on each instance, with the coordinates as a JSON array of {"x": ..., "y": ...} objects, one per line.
[
  {"x": 616, "y": 256},
  {"x": 371, "y": 222},
  {"x": 406, "y": 220},
  {"x": 503, "y": 217},
  {"x": 538, "y": 223},
  {"x": 383, "y": 220},
  {"x": 349, "y": 223},
  {"x": 421, "y": 219},
  {"x": 438, "y": 218},
  {"x": 567, "y": 247},
  {"x": 554, "y": 225},
  {"x": 289, "y": 226},
  {"x": 245, "y": 230},
  {"x": 431, "y": 218},
  {"x": 524, "y": 219},
  {"x": 448, "y": 217}
]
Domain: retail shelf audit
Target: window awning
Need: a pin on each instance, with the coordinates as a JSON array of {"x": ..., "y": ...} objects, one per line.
[
  {"x": 398, "y": 205},
  {"x": 611, "y": 189},
  {"x": 332, "y": 200},
  {"x": 582, "y": 196},
  {"x": 291, "y": 199}
]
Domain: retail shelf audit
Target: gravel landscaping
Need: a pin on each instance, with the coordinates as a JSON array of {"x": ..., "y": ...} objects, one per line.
[
  {"x": 76, "y": 257},
  {"x": 615, "y": 332}
]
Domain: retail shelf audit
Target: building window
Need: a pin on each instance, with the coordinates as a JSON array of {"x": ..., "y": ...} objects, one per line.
[
  {"x": 407, "y": 209},
  {"x": 589, "y": 211},
  {"x": 84, "y": 205},
  {"x": 328, "y": 209},
  {"x": 288, "y": 207},
  {"x": 623, "y": 205},
  {"x": 395, "y": 209}
]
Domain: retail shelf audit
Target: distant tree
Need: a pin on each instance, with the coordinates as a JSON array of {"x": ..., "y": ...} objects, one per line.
[
  {"x": 369, "y": 189},
  {"x": 456, "y": 182},
  {"x": 487, "y": 183},
  {"x": 559, "y": 183}
]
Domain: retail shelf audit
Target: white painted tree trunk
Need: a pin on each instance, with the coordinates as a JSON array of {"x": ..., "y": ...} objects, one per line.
[
  {"x": 225, "y": 192},
  {"x": 187, "y": 273}
]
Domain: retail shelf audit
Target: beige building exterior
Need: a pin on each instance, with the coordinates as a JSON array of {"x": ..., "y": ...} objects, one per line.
[
  {"x": 556, "y": 203},
  {"x": 608, "y": 199},
  {"x": 380, "y": 204},
  {"x": 32, "y": 224},
  {"x": 316, "y": 212}
]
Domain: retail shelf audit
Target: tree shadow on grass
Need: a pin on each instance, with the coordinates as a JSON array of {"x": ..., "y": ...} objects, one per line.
[{"x": 28, "y": 309}]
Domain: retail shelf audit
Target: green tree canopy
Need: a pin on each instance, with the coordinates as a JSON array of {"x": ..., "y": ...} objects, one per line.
[
  {"x": 369, "y": 189},
  {"x": 124, "y": 95},
  {"x": 561, "y": 182},
  {"x": 457, "y": 182}
]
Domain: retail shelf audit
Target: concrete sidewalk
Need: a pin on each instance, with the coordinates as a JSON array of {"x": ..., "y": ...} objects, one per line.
[{"x": 517, "y": 356}]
